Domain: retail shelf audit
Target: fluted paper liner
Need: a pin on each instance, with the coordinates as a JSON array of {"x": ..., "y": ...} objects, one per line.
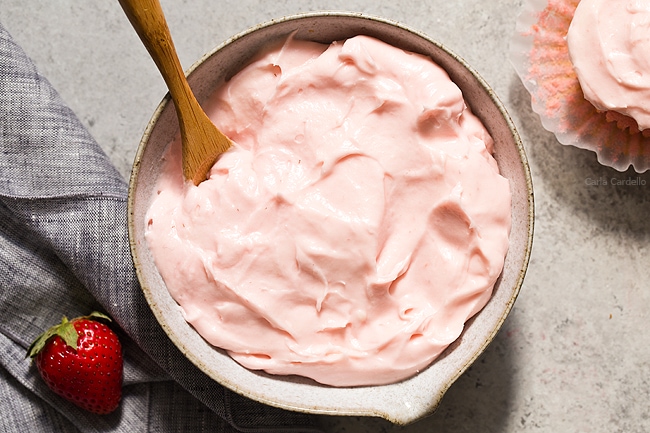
[{"x": 540, "y": 55}]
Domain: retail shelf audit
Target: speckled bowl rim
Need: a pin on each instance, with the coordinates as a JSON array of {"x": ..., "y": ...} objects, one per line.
[{"x": 400, "y": 403}]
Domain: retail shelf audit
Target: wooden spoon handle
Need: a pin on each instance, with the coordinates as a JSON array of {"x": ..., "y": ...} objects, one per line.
[
  {"x": 202, "y": 140},
  {"x": 148, "y": 20}
]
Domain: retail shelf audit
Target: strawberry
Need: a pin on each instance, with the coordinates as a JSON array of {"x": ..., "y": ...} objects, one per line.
[{"x": 81, "y": 360}]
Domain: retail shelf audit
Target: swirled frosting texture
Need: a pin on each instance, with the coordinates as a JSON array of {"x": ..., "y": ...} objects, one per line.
[
  {"x": 609, "y": 42},
  {"x": 354, "y": 227}
]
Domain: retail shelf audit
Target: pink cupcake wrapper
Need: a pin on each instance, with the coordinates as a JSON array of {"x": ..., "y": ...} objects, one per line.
[{"x": 540, "y": 56}]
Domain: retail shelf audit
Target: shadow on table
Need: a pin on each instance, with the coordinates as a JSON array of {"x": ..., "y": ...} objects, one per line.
[
  {"x": 479, "y": 401},
  {"x": 608, "y": 199}
]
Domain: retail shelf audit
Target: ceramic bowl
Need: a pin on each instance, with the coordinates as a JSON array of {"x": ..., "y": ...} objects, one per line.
[{"x": 401, "y": 402}]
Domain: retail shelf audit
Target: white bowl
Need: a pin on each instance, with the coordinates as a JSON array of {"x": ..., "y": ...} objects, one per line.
[{"x": 401, "y": 402}]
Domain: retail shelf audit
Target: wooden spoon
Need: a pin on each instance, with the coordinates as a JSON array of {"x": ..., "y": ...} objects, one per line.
[{"x": 202, "y": 140}]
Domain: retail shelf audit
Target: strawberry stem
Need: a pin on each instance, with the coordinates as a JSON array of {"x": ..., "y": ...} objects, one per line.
[{"x": 65, "y": 330}]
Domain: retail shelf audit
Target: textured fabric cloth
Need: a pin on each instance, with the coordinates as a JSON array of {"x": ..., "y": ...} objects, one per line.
[{"x": 64, "y": 250}]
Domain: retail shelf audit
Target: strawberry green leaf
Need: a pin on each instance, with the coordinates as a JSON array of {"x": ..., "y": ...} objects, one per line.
[
  {"x": 98, "y": 315},
  {"x": 38, "y": 344},
  {"x": 65, "y": 330}
]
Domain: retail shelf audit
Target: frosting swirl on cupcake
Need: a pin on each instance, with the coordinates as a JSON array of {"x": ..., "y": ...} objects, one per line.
[{"x": 609, "y": 42}]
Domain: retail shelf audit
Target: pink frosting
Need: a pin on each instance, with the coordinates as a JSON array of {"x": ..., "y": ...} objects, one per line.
[
  {"x": 352, "y": 230},
  {"x": 609, "y": 45}
]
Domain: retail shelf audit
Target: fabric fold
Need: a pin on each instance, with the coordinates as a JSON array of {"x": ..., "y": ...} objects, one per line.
[{"x": 64, "y": 250}]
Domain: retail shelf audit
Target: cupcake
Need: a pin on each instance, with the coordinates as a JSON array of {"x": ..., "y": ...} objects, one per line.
[
  {"x": 565, "y": 78},
  {"x": 608, "y": 44}
]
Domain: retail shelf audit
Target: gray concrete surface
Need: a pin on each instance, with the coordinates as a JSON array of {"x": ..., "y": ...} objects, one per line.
[{"x": 573, "y": 355}]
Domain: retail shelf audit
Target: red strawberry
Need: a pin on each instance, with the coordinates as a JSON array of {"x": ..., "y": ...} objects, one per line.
[{"x": 81, "y": 360}]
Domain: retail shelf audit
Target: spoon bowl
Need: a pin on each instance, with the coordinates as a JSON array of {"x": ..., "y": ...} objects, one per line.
[{"x": 202, "y": 140}]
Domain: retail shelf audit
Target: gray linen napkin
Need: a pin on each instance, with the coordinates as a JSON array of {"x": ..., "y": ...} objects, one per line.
[{"x": 64, "y": 251}]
